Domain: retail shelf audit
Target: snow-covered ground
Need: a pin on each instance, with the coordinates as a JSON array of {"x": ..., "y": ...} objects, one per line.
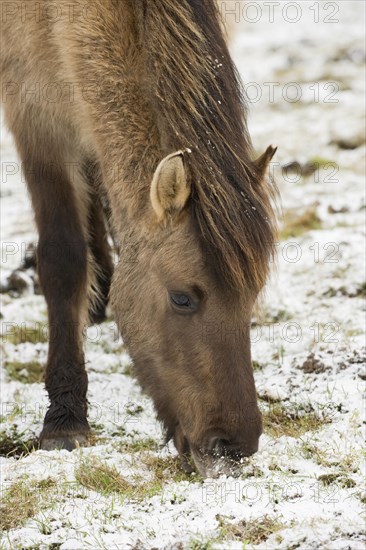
[{"x": 305, "y": 81}]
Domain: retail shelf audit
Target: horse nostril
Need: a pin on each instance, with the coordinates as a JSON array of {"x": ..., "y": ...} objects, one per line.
[
  {"x": 214, "y": 443},
  {"x": 218, "y": 445},
  {"x": 231, "y": 449}
]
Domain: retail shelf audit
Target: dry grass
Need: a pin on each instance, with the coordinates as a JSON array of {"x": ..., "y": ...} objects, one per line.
[
  {"x": 327, "y": 457},
  {"x": 98, "y": 476},
  {"x": 19, "y": 334},
  {"x": 18, "y": 504},
  {"x": 257, "y": 366},
  {"x": 279, "y": 420},
  {"x": 167, "y": 469},
  {"x": 128, "y": 370},
  {"x": 295, "y": 225},
  {"x": 22, "y": 500},
  {"x": 249, "y": 532},
  {"x": 340, "y": 479},
  {"x": 358, "y": 291},
  {"x": 28, "y": 373}
]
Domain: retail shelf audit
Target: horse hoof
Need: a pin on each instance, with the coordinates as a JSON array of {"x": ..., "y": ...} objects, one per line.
[
  {"x": 69, "y": 443},
  {"x": 186, "y": 465}
]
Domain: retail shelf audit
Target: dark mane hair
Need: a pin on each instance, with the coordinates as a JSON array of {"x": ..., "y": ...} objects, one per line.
[{"x": 199, "y": 105}]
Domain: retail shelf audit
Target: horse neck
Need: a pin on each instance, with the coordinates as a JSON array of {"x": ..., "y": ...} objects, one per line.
[{"x": 112, "y": 108}]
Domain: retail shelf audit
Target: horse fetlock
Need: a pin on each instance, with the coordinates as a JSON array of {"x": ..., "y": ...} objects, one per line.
[
  {"x": 64, "y": 429},
  {"x": 65, "y": 425}
]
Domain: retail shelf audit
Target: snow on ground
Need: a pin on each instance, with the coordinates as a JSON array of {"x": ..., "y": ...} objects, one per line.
[{"x": 308, "y": 343}]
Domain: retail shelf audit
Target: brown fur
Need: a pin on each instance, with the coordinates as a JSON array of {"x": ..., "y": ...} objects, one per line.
[{"x": 149, "y": 78}]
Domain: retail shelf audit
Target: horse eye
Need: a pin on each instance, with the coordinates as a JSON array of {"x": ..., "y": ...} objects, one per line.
[{"x": 181, "y": 300}]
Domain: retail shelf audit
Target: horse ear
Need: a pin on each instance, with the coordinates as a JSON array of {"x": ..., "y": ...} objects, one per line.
[
  {"x": 170, "y": 189},
  {"x": 263, "y": 161}
]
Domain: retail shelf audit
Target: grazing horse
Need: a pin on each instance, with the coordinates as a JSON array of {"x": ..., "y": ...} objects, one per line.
[{"x": 139, "y": 100}]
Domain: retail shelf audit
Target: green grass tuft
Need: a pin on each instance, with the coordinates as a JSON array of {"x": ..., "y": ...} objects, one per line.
[
  {"x": 279, "y": 420},
  {"x": 321, "y": 162},
  {"x": 98, "y": 476},
  {"x": 295, "y": 225},
  {"x": 28, "y": 373},
  {"x": 139, "y": 445},
  {"x": 20, "y": 334}
]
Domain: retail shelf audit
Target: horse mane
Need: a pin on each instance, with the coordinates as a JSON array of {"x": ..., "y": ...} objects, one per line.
[{"x": 196, "y": 95}]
